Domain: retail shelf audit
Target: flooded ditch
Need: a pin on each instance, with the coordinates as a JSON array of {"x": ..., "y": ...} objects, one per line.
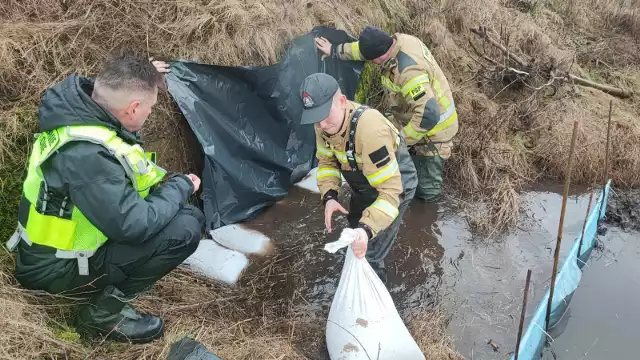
[{"x": 437, "y": 260}]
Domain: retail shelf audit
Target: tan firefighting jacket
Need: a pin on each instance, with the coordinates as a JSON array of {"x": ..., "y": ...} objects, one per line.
[
  {"x": 376, "y": 141},
  {"x": 418, "y": 92}
]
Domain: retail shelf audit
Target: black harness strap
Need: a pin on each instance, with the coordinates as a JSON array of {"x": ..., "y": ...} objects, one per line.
[{"x": 352, "y": 137}]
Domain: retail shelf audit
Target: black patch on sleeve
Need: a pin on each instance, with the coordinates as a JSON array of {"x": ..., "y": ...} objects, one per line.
[
  {"x": 383, "y": 162},
  {"x": 404, "y": 61},
  {"x": 419, "y": 96},
  {"x": 430, "y": 115},
  {"x": 379, "y": 154}
]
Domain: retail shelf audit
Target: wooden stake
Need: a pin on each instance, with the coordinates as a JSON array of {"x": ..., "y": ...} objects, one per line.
[
  {"x": 606, "y": 157},
  {"x": 556, "y": 254},
  {"x": 524, "y": 310},
  {"x": 584, "y": 227}
]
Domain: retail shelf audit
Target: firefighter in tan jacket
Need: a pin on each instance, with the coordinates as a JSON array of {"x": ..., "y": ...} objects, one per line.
[
  {"x": 361, "y": 145},
  {"x": 418, "y": 95}
]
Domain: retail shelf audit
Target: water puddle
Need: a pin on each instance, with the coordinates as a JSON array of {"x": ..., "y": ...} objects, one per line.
[
  {"x": 479, "y": 281},
  {"x": 603, "y": 317},
  {"x": 484, "y": 291}
]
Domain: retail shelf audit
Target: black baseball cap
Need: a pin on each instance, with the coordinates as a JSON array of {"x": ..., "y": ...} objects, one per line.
[{"x": 317, "y": 92}]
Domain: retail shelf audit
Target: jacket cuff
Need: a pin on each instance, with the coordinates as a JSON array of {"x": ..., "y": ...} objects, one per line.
[
  {"x": 185, "y": 178},
  {"x": 369, "y": 223},
  {"x": 329, "y": 195},
  {"x": 366, "y": 229}
]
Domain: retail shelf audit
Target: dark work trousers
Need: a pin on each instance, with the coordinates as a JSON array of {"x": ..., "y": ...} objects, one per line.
[
  {"x": 363, "y": 195},
  {"x": 131, "y": 268}
]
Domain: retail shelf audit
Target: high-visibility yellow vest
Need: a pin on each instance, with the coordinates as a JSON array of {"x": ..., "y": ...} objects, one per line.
[{"x": 75, "y": 236}]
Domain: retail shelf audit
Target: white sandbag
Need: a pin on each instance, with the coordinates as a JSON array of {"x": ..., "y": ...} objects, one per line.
[
  {"x": 363, "y": 321},
  {"x": 310, "y": 182},
  {"x": 240, "y": 238},
  {"x": 217, "y": 262}
]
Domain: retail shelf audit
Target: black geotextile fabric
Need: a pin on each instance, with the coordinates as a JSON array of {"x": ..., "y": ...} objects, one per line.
[{"x": 247, "y": 120}]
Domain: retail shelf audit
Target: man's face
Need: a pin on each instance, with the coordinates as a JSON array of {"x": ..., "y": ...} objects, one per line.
[
  {"x": 380, "y": 60},
  {"x": 384, "y": 57},
  {"x": 138, "y": 111},
  {"x": 333, "y": 122}
]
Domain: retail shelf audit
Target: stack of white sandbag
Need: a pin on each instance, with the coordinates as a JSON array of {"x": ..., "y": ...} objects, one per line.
[{"x": 224, "y": 258}]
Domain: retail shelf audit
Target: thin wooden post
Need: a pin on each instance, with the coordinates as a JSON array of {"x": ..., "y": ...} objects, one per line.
[
  {"x": 606, "y": 156},
  {"x": 556, "y": 254},
  {"x": 584, "y": 227},
  {"x": 524, "y": 310}
]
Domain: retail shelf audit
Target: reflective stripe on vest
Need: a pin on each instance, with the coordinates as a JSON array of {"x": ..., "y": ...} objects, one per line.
[{"x": 68, "y": 230}]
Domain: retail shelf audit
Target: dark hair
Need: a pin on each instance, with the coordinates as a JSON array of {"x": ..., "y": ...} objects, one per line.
[{"x": 126, "y": 70}]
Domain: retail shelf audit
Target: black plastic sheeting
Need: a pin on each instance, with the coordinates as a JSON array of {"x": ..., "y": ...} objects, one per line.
[{"x": 247, "y": 120}]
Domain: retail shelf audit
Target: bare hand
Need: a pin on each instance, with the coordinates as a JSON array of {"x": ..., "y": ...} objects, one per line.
[
  {"x": 323, "y": 45},
  {"x": 161, "y": 66},
  {"x": 359, "y": 246},
  {"x": 196, "y": 182},
  {"x": 331, "y": 207}
]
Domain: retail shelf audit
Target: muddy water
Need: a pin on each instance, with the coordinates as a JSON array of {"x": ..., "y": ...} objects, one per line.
[
  {"x": 483, "y": 291},
  {"x": 603, "y": 317},
  {"x": 479, "y": 281}
]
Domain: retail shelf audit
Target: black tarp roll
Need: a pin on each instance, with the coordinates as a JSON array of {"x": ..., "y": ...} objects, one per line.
[{"x": 247, "y": 120}]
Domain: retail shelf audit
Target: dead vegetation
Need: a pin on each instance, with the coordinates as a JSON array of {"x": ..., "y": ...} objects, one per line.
[
  {"x": 515, "y": 127},
  {"x": 512, "y": 133},
  {"x": 504, "y": 115}
]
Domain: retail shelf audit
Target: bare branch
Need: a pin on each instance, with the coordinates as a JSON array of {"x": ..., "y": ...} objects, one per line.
[
  {"x": 481, "y": 31},
  {"x": 612, "y": 90}
]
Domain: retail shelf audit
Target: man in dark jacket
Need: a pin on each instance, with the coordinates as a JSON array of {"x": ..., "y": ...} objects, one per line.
[{"x": 98, "y": 217}]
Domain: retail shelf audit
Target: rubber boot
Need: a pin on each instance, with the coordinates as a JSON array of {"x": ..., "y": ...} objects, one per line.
[
  {"x": 109, "y": 315},
  {"x": 429, "y": 169}
]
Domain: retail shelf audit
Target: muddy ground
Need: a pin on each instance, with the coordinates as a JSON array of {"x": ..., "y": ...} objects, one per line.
[
  {"x": 624, "y": 209},
  {"x": 438, "y": 261}
]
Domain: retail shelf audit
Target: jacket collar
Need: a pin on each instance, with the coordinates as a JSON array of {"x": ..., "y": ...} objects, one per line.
[{"x": 392, "y": 61}]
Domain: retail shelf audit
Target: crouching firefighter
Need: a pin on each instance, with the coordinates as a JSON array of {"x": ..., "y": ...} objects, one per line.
[
  {"x": 361, "y": 145},
  {"x": 418, "y": 95},
  {"x": 95, "y": 221}
]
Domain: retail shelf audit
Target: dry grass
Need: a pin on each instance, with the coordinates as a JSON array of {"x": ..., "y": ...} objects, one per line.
[
  {"x": 429, "y": 329},
  {"x": 512, "y": 135},
  {"x": 501, "y": 119}
]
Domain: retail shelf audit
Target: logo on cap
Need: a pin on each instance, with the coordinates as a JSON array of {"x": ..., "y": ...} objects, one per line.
[{"x": 306, "y": 100}]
